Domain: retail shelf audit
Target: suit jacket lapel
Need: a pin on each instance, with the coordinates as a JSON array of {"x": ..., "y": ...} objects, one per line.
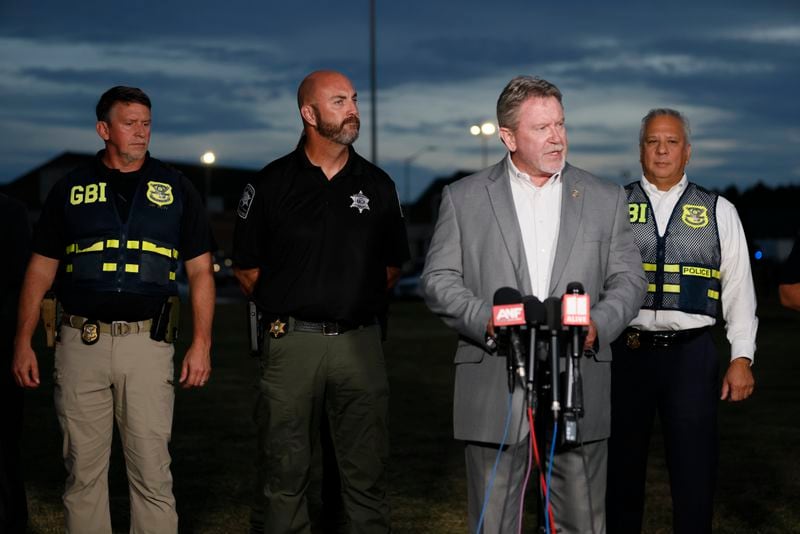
[
  {"x": 572, "y": 195},
  {"x": 499, "y": 190}
]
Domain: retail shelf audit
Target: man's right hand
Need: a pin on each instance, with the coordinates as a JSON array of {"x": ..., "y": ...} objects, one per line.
[{"x": 25, "y": 367}]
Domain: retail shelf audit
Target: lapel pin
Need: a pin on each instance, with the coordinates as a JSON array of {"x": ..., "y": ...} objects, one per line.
[{"x": 575, "y": 193}]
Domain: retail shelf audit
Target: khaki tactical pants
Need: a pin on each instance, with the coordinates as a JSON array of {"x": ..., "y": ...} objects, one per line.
[{"x": 130, "y": 379}]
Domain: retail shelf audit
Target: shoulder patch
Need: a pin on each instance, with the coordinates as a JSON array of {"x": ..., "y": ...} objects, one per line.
[{"x": 246, "y": 201}]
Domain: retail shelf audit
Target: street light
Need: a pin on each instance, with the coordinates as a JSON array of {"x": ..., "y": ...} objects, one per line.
[
  {"x": 484, "y": 131},
  {"x": 407, "y": 170},
  {"x": 208, "y": 159}
]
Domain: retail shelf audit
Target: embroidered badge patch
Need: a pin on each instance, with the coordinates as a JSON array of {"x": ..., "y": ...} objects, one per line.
[
  {"x": 246, "y": 201},
  {"x": 159, "y": 193},
  {"x": 360, "y": 202},
  {"x": 695, "y": 216}
]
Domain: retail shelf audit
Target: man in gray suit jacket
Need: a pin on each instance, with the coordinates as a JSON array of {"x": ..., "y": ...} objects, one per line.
[{"x": 535, "y": 223}]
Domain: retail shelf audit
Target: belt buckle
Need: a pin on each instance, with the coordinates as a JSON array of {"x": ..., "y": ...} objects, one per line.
[
  {"x": 662, "y": 341},
  {"x": 632, "y": 340},
  {"x": 330, "y": 329},
  {"x": 120, "y": 328}
]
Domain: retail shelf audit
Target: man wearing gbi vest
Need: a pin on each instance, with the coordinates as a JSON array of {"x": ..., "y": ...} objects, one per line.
[
  {"x": 695, "y": 257},
  {"x": 111, "y": 235}
]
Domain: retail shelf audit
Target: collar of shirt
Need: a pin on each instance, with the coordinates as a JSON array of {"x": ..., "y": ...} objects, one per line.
[
  {"x": 538, "y": 215},
  {"x": 663, "y": 202}
]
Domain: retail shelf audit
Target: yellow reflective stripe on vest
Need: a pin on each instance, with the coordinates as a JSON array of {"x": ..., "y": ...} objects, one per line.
[
  {"x": 715, "y": 274},
  {"x": 69, "y": 268},
  {"x": 172, "y": 275},
  {"x": 672, "y": 288},
  {"x": 109, "y": 267},
  {"x": 94, "y": 247},
  {"x": 672, "y": 268},
  {"x": 131, "y": 268},
  {"x": 651, "y": 288},
  {"x": 147, "y": 246},
  {"x": 649, "y": 267},
  {"x": 112, "y": 243},
  {"x": 713, "y": 294},
  {"x": 133, "y": 244}
]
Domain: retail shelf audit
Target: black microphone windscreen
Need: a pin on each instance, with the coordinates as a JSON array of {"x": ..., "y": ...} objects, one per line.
[
  {"x": 575, "y": 287},
  {"x": 507, "y": 295},
  {"x": 553, "y": 307},
  {"x": 534, "y": 310}
]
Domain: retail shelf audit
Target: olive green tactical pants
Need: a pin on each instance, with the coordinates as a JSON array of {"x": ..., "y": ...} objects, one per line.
[
  {"x": 127, "y": 378},
  {"x": 307, "y": 376}
]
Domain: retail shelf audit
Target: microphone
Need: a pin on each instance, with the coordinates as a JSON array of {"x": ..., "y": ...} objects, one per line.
[
  {"x": 535, "y": 315},
  {"x": 553, "y": 307},
  {"x": 508, "y": 314},
  {"x": 574, "y": 314}
]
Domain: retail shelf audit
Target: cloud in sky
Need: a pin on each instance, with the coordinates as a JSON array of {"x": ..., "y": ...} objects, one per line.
[{"x": 224, "y": 77}]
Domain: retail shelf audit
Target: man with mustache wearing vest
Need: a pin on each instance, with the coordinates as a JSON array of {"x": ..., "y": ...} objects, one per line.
[{"x": 695, "y": 257}]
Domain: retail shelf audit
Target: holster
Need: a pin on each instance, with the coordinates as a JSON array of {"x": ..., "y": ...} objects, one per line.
[
  {"x": 165, "y": 323},
  {"x": 255, "y": 329},
  {"x": 49, "y": 314}
]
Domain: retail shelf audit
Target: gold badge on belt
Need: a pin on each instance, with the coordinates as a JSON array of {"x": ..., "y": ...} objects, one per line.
[
  {"x": 277, "y": 328},
  {"x": 90, "y": 333},
  {"x": 632, "y": 340}
]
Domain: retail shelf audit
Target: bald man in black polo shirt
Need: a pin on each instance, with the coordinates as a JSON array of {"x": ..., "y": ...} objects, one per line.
[{"x": 319, "y": 239}]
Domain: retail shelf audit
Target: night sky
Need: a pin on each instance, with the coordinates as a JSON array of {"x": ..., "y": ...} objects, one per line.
[{"x": 223, "y": 76}]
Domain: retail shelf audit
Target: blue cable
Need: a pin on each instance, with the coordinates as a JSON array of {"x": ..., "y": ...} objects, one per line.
[
  {"x": 549, "y": 475},
  {"x": 494, "y": 468}
]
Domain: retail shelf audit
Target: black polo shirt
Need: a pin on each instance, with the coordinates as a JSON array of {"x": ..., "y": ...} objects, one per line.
[
  {"x": 50, "y": 238},
  {"x": 322, "y": 245}
]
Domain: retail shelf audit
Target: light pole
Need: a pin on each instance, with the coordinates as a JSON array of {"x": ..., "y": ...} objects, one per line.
[
  {"x": 407, "y": 170},
  {"x": 208, "y": 159},
  {"x": 484, "y": 131}
]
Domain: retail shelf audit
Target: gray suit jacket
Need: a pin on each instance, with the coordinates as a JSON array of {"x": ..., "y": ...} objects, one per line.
[{"x": 477, "y": 248}]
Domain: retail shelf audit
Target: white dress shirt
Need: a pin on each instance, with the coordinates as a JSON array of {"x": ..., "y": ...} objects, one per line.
[
  {"x": 539, "y": 214},
  {"x": 738, "y": 293}
]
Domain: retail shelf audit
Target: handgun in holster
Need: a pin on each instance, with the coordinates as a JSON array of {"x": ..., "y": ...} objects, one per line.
[
  {"x": 165, "y": 323},
  {"x": 255, "y": 329},
  {"x": 49, "y": 312}
]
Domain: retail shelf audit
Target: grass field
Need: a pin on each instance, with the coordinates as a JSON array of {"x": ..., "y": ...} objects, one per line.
[{"x": 214, "y": 439}]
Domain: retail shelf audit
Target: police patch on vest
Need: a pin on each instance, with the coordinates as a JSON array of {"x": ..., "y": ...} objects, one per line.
[
  {"x": 246, "y": 201},
  {"x": 695, "y": 216},
  {"x": 360, "y": 202},
  {"x": 159, "y": 193}
]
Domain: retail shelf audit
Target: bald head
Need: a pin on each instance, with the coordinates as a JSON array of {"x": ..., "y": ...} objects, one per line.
[{"x": 314, "y": 83}]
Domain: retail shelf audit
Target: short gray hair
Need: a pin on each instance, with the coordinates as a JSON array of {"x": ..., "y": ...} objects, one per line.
[
  {"x": 668, "y": 112},
  {"x": 518, "y": 90}
]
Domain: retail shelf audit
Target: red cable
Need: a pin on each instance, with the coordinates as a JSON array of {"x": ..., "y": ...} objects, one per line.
[{"x": 541, "y": 470}]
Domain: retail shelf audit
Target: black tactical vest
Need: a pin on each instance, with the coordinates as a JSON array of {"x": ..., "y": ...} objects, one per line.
[
  {"x": 139, "y": 256},
  {"x": 682, "y": 266}
]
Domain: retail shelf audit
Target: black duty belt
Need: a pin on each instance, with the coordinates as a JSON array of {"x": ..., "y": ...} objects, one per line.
[
  {"x": 281, "y": 325},
  {"x": 327, "y": 328},
  {"x": 91, "y": 330},
  {"x": 635, "y": 338}
]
